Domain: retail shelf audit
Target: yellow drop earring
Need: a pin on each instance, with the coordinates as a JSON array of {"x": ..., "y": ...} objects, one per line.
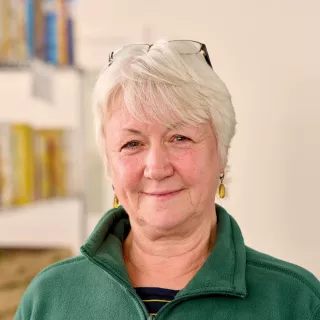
[
  {"x": 222, "y": 188},
  {"x": 115, "y": 200}
]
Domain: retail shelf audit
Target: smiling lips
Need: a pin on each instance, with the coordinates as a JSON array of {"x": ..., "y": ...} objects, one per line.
[{"x": 163, "y": 194}]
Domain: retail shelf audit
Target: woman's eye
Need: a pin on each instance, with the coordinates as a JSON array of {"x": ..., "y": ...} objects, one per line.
[
  {"x": 131, "y": 145},
  {"x": 181, "y": 138}
]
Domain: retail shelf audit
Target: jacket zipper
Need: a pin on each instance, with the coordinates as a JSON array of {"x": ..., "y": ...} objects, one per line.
[
  {"x": 124, "y": 284},
  {"x": 140, "y": 302}
]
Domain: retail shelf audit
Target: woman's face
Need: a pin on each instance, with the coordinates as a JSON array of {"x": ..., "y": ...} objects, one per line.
[{"x": 163, "y": 178}]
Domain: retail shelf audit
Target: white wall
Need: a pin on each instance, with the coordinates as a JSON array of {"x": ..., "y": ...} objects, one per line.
[{"x": 268, "y": 53}]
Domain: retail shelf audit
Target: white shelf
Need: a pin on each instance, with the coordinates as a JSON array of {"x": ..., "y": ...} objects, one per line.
[
  {"x": 49, "y": 223},
  {"x": 19, "y": 105}
]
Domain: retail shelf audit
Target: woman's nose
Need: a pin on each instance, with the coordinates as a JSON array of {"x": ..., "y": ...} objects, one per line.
[{"x": 157, "y": 163}]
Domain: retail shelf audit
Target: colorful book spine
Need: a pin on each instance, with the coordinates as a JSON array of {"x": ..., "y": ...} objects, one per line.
[
  {"x": 5, "y": 21},
  {"x": 23, "y": 163},
  {"x": 50, "y": 163},
  {"x": 70, "y": 41},
  {"x": 33, "y": 164},
  {"x": 30, "y": 27},
  {"x": 39, "y": 29},
  {"x": 50, "y": 18},
  {"x": 62, "y": 32},
  {"x": 6, "y": 166},
  {"x": 21, "y": 50},
  {"x": 59, "y": 163}
]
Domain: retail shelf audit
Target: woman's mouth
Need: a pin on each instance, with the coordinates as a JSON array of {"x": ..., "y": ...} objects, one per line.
[{"x": 163, "y": 194}]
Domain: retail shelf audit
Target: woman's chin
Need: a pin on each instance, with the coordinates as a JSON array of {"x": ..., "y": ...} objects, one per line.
[{"x": 165, "y": 219}]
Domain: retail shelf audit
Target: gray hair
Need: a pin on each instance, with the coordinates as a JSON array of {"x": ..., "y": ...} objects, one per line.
[{"x": 169, "y": 87}]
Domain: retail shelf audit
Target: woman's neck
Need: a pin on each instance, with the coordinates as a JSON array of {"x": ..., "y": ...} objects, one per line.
[{"x": 167, "y": 262}]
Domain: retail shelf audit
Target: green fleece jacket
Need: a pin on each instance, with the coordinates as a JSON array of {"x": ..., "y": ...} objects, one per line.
[{"x": 235, "y": 283}]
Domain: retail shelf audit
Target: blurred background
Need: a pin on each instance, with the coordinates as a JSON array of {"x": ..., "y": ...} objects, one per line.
[{"x": 52, "y": 185}]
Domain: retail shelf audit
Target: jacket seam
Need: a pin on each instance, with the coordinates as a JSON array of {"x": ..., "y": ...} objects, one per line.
[
  {"x": 259, "y": 264},
  {"x": 315, "y": 312},
  {"x": 234, "y": 255},
  {"x": 216, "y": 290}
]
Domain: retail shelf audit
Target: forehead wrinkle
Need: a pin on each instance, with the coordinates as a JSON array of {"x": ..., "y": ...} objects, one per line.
[{"x": 133, "y": 130}]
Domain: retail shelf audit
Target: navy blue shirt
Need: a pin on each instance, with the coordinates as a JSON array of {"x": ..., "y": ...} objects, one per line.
[{"x": 155, "y": 298}]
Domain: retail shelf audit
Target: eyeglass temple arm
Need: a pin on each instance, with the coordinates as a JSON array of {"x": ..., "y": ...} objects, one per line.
[{"x": 206, "y": 54}]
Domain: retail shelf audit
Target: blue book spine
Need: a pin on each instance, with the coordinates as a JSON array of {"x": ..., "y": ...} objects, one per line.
[
  {"x": 70, "y": 41},
  {"x": 30, "y": 27},
  {"x": 51, "y": 38}
]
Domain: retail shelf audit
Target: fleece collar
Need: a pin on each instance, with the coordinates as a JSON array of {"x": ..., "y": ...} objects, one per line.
[{"x": 224, "y": 271}]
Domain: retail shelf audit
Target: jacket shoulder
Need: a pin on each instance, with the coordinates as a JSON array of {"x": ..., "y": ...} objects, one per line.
[
  {"x": 58, "y": 268},
  {"x": 274, "y": 268},
  {"x": 45, "y": 283}
]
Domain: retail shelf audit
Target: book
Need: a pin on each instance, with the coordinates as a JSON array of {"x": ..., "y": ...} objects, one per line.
[
  {"x": 50, "y": 163},
  {"x": 6, "y": 166},
  {"x": 23, "y": 163}
]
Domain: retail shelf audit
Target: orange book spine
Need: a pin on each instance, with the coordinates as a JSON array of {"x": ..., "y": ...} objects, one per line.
[{"x": 62, "y": 32}]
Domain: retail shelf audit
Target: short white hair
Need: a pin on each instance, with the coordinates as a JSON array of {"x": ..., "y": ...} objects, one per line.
[{"x": 166, "y": 86}]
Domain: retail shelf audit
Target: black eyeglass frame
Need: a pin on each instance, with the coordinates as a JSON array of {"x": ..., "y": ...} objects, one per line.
[{"x": 203, "y": 50}]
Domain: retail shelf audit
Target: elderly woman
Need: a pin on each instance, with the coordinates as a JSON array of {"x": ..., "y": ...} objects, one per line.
[{"x": 165, "y": 122}]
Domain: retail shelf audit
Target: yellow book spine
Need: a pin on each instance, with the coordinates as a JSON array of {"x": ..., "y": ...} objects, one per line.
[
  {"x": 6, "y": 32},
  {"x": 23, "y": 164},
  {"x": 44, "y": 160},
  {"x": 59, "y": 165}
]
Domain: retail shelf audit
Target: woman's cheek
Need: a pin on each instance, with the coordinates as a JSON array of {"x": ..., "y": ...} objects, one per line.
[
  {"x": 129, "y": 170},
  {"x": 195, "y": 167},
  {"x": 186, "y": 160}
]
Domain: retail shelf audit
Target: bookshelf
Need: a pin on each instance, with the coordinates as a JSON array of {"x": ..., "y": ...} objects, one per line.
[{"x": 54, "y": 222}]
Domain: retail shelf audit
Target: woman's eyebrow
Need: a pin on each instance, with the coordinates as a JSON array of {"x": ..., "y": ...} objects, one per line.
[{"x": 131, "y": 130}]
